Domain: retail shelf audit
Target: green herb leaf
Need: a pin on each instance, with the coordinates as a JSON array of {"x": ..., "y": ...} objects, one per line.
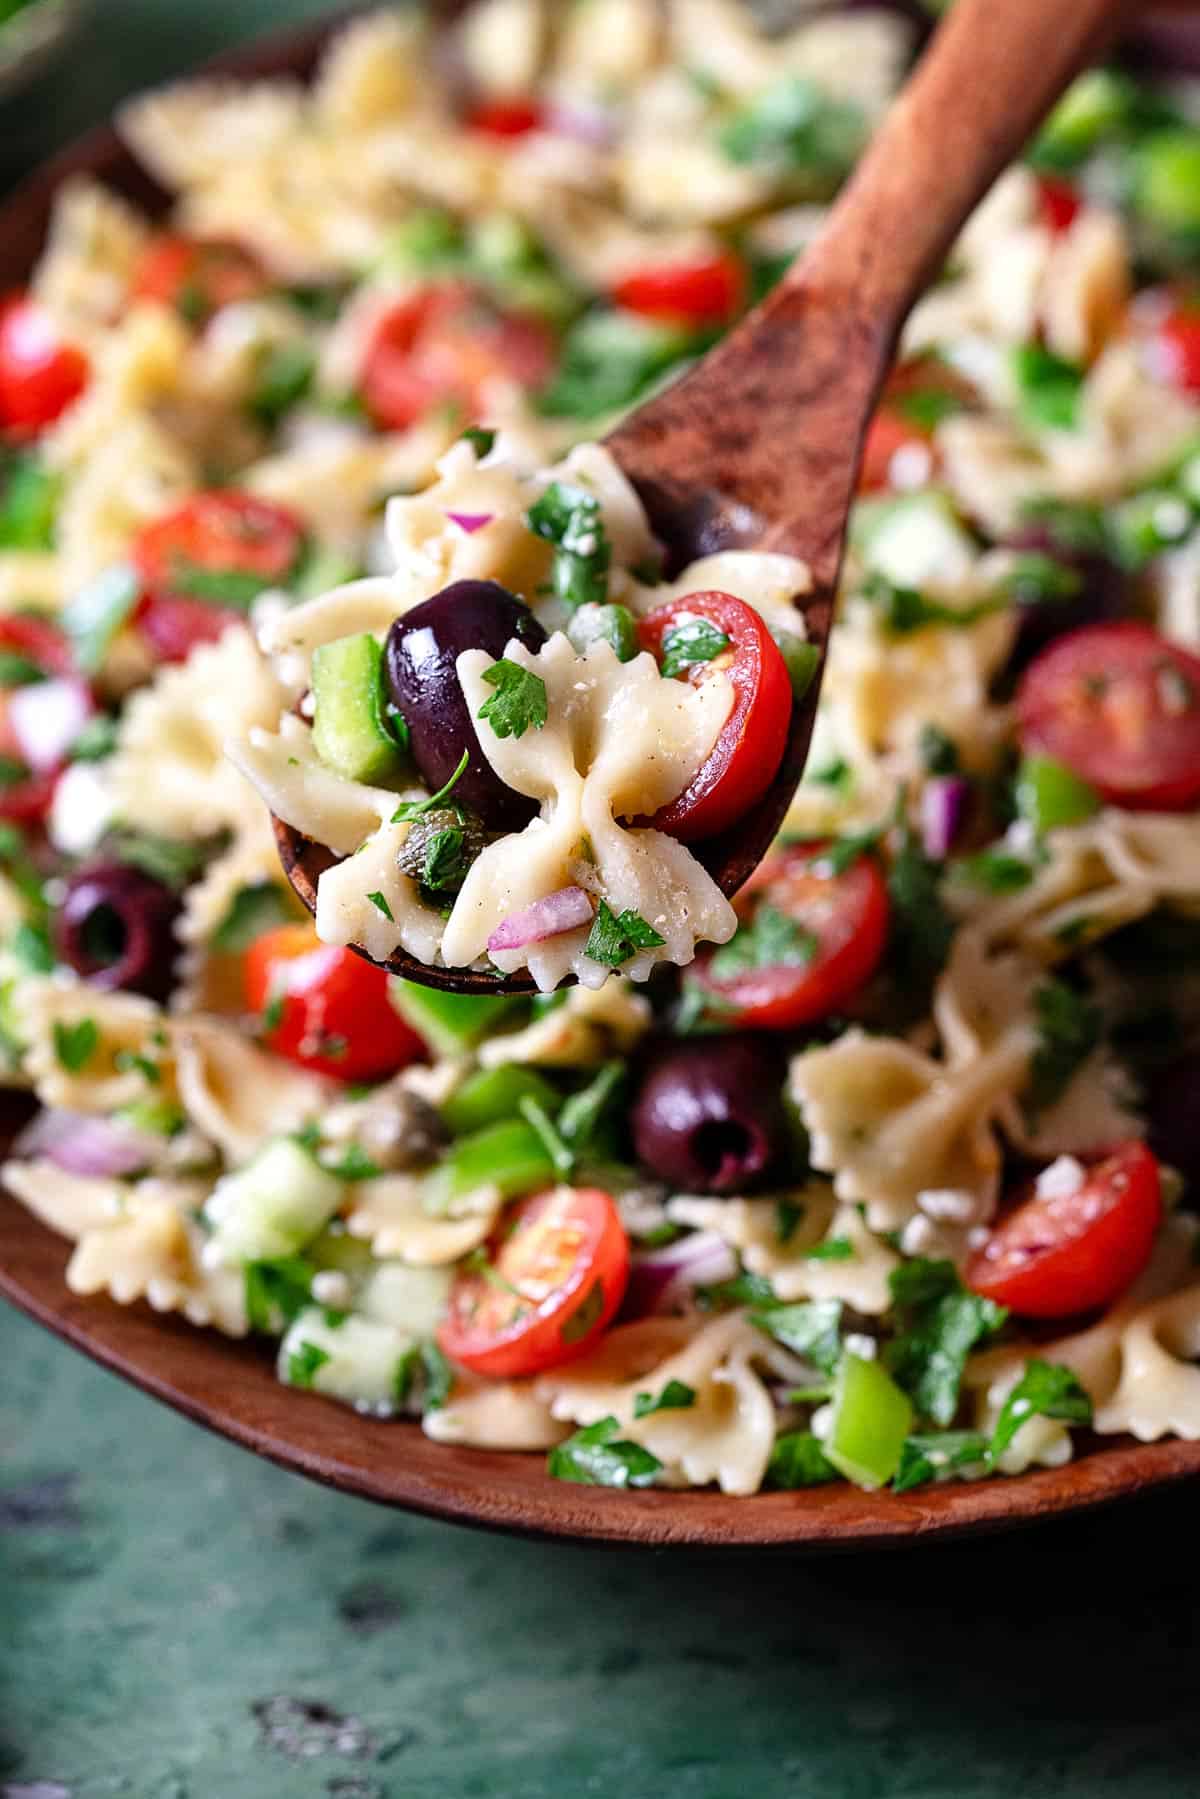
[
  {"x": 481, "y": 441},
  {"x": 304, "y": 1364},
  {"x": 903, "y": 609},
  {"x": 921, "y": 928},
  {"x": 788, "y": 1218},
  {"x": 76, "y": 1044},
  {"x": 834, "y": 1249},
  {"x": 411, "y": 809},
  {"x": 770, "y": 939},
  {"x": 996, "y": 871},
  {"x": 518, "y": 702},
  {"x": 1045, "y": 1390},
  {"x": 282, "y": 379},
  {"x": 1048, "y": 388},
  {"x": 97, "y": 612},
  {"x": 1038, "y": 580},
  {"x": 97, "y": 739},
  {"x": 29, "y": 498},
  {"x": 940, "y": 1322},
  {"x": 128, "y": 1061},
  {"x": 570, "y": 518},
  {"x": 538, "y": 1119},
  {"x": 676, "y": 1396},
  {"x": 32, "y": 948},
  {"x": 926, "y": 1456},
  {"x": 743, "y": 1290},
  {"x": 380, "y": 904},
  {"x": 938, "y": 752},
  {"x": 354, "y": 1164},
  {"x": 439, "y": 1377},
  {"x": 610, "y": 359},
  {"x": 598, "y": 1456},
  {"x": 19, "y": 671},
  {"x": 586, "y": 1117},
  {"x": 798, "y": 1460},
  {"x": 277, "y": 1291},
  {"x": 164, "y": 859},
  {"x": 812, "y": 1330},
  {"x": 692, "y": 641},
  {"x": 1069, "y": 1028},
  {"x": 615, "y": 938},
  {"x": 926, "y": 407},
  {"x": 252, "y": 912},
  {"x": 236, "y": 588},
  {"x": 794, "y": 124}
]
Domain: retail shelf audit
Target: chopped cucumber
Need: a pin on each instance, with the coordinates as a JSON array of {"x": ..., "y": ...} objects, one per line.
[
  {"x": 1168, "y": 188},
  {"x": 1098, "y": 103},
  {"x": 450, "y": 1022},
  {"x": 1049, "y": 795},
  {"x": 509, "y": 1159},
  {"x": 870, "y": 1419},
  {"x": 495, "y": 1094},
  {"x": 409, "y": 1299},
  {"x": 914, "y": 540},
  {"x": 358, "y": 1360},
  {"x": 350, "y": 734},
  {"x": 273, "y": 1206}
]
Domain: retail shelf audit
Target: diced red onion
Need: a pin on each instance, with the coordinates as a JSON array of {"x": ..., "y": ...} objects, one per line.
[
  {"x": 565, "y": 910},
  {"x": 943, "y": 808},
  {"x": 661, "y": 1278},
  {"x": 470, "y": 522},
  {"x": 586, "y": 124},
  {"x": 45, "y": 719},
  {"x": 80, "y": 1144}
]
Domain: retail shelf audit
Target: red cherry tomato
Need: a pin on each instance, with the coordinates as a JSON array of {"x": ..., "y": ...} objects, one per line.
[
  {"x": 448, "y": 343},
  {"x": 918, "y": 393},
  {"x": 1172, "y": 340},
  {"x": 846, "y": 915},
  {"x": 25, "y": 801},
  {"x": 559, "y": 1267},
  {"x": 889, "y": 434},
  {"x": 217, "y": 542},
  {"x": 710, "y": 290},
  {"x": 326, "y": 1008},
  {"x": 505, "y": 118},
  {"x": 1059, "y": 203},
  {"x": 746, "y": 756},
  {"x": 1120, "y": 705},
  {"x": 40, "y": 375},
  {"x": 1052, "y": 1258},
  {"x": 197, "y": 276}
]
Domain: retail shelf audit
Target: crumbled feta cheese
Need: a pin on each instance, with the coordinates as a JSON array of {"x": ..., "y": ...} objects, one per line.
[
  {"x": 821, "y": 1422},
  {"x": 82, "y": 809},
  {"x": 952, "y": 1203},
  {"x": 859, "y": 1344},
  {"x": 332, "y": 1288},
  {"x": 919, "y": 1236},
  {"x": 1061, "y": 1179}
]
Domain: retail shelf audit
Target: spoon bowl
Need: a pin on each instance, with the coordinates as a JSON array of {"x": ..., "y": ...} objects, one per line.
[{"x": 759, "y": 447}]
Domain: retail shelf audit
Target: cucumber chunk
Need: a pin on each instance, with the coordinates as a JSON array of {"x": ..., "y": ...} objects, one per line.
[{"x": 350, "y": 733}]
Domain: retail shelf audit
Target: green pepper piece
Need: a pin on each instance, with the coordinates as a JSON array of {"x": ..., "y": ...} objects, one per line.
[
  {"x": 494, "y": 1095},
  {"x": 509, "y": 1158},
  {"x": 1049, "y": 795},
  {"x": 450, "y": 1022},
  {"x": 870, "y": 1420}
]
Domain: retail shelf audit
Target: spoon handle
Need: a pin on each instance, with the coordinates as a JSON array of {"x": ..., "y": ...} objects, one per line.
[
  {"x": 992, "y": 71},
  {"x": 759, "y": 446}
]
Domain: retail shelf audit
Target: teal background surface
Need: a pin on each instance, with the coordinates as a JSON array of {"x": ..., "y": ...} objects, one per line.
[{"x": 178, "y": 1621}]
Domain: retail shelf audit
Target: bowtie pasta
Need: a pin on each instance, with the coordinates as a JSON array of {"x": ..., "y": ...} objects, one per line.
[{"x": 883, "y": 1171}]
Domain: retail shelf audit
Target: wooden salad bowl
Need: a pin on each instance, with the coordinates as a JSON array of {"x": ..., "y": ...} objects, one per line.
[{"x": 231, "y": 1388}]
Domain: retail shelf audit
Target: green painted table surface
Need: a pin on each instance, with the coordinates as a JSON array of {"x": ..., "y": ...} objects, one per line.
[{"x": 178, "y": 1621}]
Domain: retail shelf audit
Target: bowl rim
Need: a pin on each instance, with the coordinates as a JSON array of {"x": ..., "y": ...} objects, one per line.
[{"x": 230, "y": 1386}]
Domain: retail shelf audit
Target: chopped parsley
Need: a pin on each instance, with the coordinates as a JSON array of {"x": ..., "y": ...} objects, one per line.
[
  {"x": 587, "y": 1116},
  {"x": 1045, "y": 1390},
  {"x": 97, "y": 612},
  {"x": 538, "y": 1119},
  {"x": 354, "y": 1164},
  {"x": 481, "y": 441},
  {"x": 1035, "y": 579},
  {"x": 445, "y": 862},
  {"x": 519, "y": 701},
  {"x": 32, "y": 948},
  {"x": 938, "y": 752},
  {"x": 411, "y": 809},
  {"x": 811, "y": 1329},
  {"x": 237, "y": 588},
  {"x": 692, "y": 641},
  {"x": 940, "y": 1322},
  {"x": 798, "y": 1460},
  {"x": 833, "y": 1249},
  {"x": 283, "y": 378},
  {"x": 305, "y": 1363},
  {"x": 926, "y": 407},
  {"x": 616, "y": 937},
  {"x": 76, "y": 1044},
  {"x": 570, "y": 518},
  {"x": 788, "y": 1218},
  {"x": 380, "y": 904},
  {"x": 29, "y": 496},
  {"x": 921, "y": 928},
  {"x": 743, "y": 1290},
  {"x": 162, "y": 858},
  {"x": 927, "y": 1455},
  {"x": 252, "y": 911},
  {"x": 610, "y": 359},
  {"x": 97, "y": 739},
  {"x": 128, "y": 1061},
  {"x": 598, "y": 1456},
  {"x": 19, "y": 671},
  {"x": 1048, "y": 388},
  {"x": 769, "y": 940},
  {"x": 423, "y": 1367},
  {"x": 676, "y": 1396},
  {"x": 277, "y": 1291},
  {"x": 996, "y": 871},
  {"x": 904, "y": 609},
  {"x": 794, "y": 124},
  {"x": 1069, "y": 1028}
]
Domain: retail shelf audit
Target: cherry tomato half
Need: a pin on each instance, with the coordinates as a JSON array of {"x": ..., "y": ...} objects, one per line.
[
  {"x": 216, "y": 544},
  {"x": 40, "y": 375},
  {"x": 1120, "y": 705},
  {"x": 746, "y": 756},
  {"x": 197, "y": 276},
  {"x": 558, "y": 1270},
  {"x": 449, "y": 343},
  {"x": 843, "y": 921},
  {"x": 918, "y": 394},
  {"x": 1052, "y": 1258},
  {"x": 505, "y": 118},
  {"x": 1170, "y": 328},
  {"x": 709, "y": 290},
  {"x": 26, "y": 800},
  {"x": 325, "y": 1007},
  {"x": 1059, "y": 203}
]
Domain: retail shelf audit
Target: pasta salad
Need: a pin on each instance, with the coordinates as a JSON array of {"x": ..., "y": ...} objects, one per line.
[{"x": 881, "y": 1171}]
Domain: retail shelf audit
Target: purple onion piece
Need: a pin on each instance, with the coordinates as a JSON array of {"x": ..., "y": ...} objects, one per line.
[
  {"x": 470, "y": 522},
  {"x": 944, "y": 803},
  {"x": 78, "y": 1143},
  {"x": 566, "y": 910},
  {"x": 662, "y": 1279},
  {"x": 45, "y": 719}
]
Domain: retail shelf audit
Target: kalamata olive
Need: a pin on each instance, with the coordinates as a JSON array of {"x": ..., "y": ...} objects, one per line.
[
  {"x": 1174, "y": 1124},
  {"x": 709, "y": 1117},
  {"x": 422, "y": 649},
  {"x": 1104, "y": 592},
  {"x": 1168, "y": 42},
  {"x": 115, "y": 928}
]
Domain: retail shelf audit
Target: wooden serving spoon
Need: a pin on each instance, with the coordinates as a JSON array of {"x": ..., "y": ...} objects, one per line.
[{"x": 759, "y": 447}]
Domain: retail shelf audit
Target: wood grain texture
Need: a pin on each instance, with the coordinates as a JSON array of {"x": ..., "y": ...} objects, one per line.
[{"x": 231, "y": 1388}]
